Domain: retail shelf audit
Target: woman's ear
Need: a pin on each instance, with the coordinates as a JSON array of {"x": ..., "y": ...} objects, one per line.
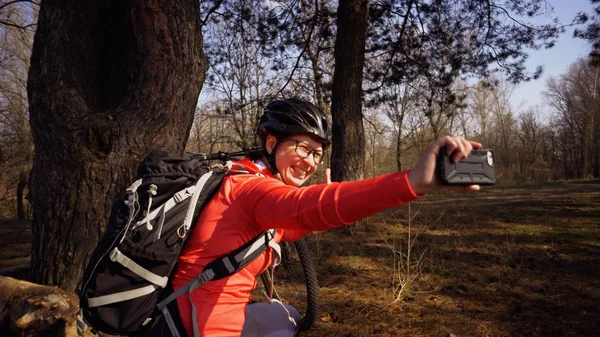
[{"x": 270, "y": 143}]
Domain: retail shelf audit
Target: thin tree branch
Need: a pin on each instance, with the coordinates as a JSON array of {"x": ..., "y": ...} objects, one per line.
[
  {"x": 306, "y": 45},
  {"x": 211, "y": 11},
  {"x": 10, "y": 24}
]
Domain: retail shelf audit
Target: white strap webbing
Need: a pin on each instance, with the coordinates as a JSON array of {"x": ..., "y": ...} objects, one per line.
[
  {"x": 132, "y": 202},
  {"x": 277, "y": 250},
  {"x": 133, "y": 187},
  {"x": 170, "y": 323},
  {"x": 121, "y": 296},
  {"x": 195, "y": 284},
  {"x": 206, "y": 276},
  {"x": 241, "y": 256},
  {"x": 194, "y": 320},
  {"x": 177, "y": 198},
  {"x": 117, "y": 256},
  {"x": 189, "y": 216}
]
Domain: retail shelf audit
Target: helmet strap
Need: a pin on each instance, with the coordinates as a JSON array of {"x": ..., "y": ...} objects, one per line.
[{"x": 271, "y": 158}]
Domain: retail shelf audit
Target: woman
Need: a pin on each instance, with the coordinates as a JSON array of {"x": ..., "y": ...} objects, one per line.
[{"x": 294, "y": 135}]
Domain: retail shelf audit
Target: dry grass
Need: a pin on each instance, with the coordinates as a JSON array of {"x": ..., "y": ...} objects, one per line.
[{"x": 503, "y": 262}]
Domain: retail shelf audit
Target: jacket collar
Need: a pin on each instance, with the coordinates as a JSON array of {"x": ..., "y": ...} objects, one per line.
[{"x": 247, "y": 166}]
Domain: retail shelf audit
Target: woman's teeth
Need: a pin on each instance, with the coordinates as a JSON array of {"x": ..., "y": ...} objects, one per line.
[{"x": 299, "y": 171}]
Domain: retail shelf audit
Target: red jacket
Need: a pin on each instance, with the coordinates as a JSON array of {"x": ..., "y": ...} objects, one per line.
[{"x": 248, "y": 204}]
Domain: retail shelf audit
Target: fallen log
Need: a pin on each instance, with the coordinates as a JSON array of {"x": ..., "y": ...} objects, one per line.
[{"x": 29, "y": 309}]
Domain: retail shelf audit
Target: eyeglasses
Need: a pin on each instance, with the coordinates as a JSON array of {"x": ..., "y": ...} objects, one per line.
[{"x": 304, "y": 150}]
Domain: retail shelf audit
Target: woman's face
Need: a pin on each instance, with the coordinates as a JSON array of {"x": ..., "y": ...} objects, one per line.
[{"x": 296, "y": 157}]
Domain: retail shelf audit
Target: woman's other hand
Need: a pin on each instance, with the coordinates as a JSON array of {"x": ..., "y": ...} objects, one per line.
[{"x": 423, "y": 177}]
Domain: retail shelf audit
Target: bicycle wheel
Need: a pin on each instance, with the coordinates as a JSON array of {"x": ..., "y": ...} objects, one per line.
[{"x": 295, "y": 282}]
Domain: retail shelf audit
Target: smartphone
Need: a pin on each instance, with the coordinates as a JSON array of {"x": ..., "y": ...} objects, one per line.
[{"x": 478, "y": 168}]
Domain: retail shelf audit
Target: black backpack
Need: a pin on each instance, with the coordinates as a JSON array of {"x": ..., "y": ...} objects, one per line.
[{"x": 126, "y": 286}]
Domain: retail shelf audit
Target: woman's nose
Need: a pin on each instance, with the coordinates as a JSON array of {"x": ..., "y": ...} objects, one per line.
[{"x": 310, "y": 159}]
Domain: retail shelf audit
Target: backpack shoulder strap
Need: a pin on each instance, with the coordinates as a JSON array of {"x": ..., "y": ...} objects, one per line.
[
  {"x": 229, "y": 264},
  {"x": 222, "y": 267}
]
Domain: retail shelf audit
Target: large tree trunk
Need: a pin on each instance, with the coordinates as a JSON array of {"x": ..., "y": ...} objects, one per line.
[
  {"x": 348, "y": 153},
  {"x": 109, "y": 81}
]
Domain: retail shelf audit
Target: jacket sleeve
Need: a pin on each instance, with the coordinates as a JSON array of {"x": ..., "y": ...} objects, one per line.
[{"x": 318, "y": 207}]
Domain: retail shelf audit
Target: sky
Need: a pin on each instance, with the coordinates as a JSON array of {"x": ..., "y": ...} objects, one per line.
[{"x": 555, "y": 61}]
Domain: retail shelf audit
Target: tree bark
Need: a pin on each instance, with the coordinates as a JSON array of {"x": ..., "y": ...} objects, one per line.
[
  {"x": 348, "y": 152},
  {"x": 109, "y": 82}
]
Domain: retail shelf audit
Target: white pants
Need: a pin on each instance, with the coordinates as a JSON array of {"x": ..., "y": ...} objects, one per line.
[{"x": 270, "y": 320}]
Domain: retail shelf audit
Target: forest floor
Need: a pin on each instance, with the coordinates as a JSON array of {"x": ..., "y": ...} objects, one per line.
[{"x": 507, "y": 261}]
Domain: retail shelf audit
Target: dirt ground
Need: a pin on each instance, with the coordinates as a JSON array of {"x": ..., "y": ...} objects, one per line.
[{"x": 506, "y": 261}]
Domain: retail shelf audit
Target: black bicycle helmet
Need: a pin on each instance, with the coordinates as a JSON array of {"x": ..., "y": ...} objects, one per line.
[
  {"x": 295, "y": 116},
  {"x": 292, "y": 116}
]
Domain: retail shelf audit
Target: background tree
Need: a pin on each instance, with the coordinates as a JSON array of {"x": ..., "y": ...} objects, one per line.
[
  {"x": 17, "y": 26},
  {"x": 348, "y": 153},
  {"x": 299, "y": 37},
  {"x": 400, "y": 102},
  {"x": 239, "y": 79},
  {"x": 494, "y": 122},
  {"x": 109, "y": 81},
  {"x": 444, "y": 43},
  {"x": 378, "y": 150},
  {"x": 445, "y": 39},
  {"x": 574, "y": 98},
  {"x": 529, "y": 151},
  {"x": 591, "y": 33},
  {"x": 212, "y": 131}
]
